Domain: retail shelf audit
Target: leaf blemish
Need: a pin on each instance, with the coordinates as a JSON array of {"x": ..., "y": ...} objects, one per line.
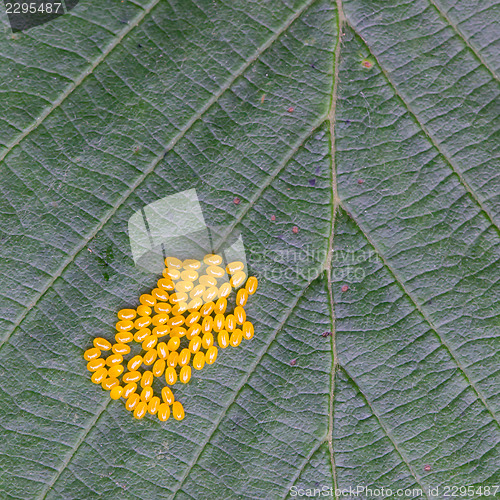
[{"x": 344, "y": 288}]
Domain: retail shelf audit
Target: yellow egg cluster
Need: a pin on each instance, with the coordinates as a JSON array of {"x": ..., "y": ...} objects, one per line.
[{"x": 175, "y": 326}]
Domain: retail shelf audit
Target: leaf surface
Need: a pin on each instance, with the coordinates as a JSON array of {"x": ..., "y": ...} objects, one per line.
[{"x": 374, "y": 141}]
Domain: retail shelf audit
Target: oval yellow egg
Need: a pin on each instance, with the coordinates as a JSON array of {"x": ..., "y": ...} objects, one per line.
[
  {"x": 144, "y": 310},
  {"x": 195, "y": 344},
  {"x": 167, "y": 395},
  {"x": 153, "y": 405},
  {"x": 230, "y": 323},
  {"x": 170, "y": 375},
  {"x": 133, "y": 376},
  {"x": 95, "y": 364},
  {"x": 140, "y": 410},
  {"x": 199, "y": 361},
  {"x": 121, "y": 349},
  {"x": 162, "y": 350},
  {"x": 142, "y": 322},
  {"x": 99, "y": 375},
  {"x": 236, "y": 337},
  {"x": 124, "y": 337},
  {"x": 160, "y": 294},
  {"x": 92, "y": 353},
  {"x": 102, "y": 344},
  {"x": 215, "y": 271},
  {"x": 207, "y": 340},
  {"x": 173, "y": 357},
  {"x": 163, "y": 412},
  {"x": 247, "y": 330},
  {"x": 185, "y": 374},
  {"x": 159, "y": 367},
  {"x": 129, "y": 389},
  {"x": 114, "y": 359},
  {"x": 241, "y": 297},
  {"x": 207, "y": 308},
  {"x": 126, "y": 314},
  {"x": 147, "y": 300},
  {"x": 116, "y": 392},
  {"x": 109, "y": 383},
  {"x": 177, "y": 410},
  {"x": 162, "y": 307},
  {"x": 173, "y": 263},
  {"x": 191, "y": 264},
  {"x": 132, "y": 401},
  {"x": 115, "y": 371},
  {"x": 223, "y": 339},
  {"x": 146, "y": 394},
  {"x": 140, "y": 335},
  {"x": 237, "y": 279},
  {"x": 211, "y": 355},
  {"x": 232, "y": 267},
  {"x": 184, "y": 357},
  {"x": 134, "y": 363},
  {"x": 251, "y": 285},
  {"x": 150, "y": 357}
]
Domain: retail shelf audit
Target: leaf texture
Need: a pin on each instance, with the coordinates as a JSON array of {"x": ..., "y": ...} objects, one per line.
[{"x": 368, "y": 125}]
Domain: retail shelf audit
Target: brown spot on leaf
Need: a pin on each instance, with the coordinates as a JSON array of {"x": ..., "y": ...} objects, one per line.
[
  {"x": 344, "y": 288},
  {"x": 427, "y": 468},
  {"x": 273, "y": 217},
  {"x": 366, "y": 63},
  {"x": 291, "y": 109},
  {"x": 236, "y": 201},
  {"x": 293, "y": 362},
  {"x": 360, "y": 181},
  {"x": 295, "y": 229}
]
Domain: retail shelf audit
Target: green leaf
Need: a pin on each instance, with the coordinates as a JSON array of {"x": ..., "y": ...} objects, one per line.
[{"x": 374, "y": 140}]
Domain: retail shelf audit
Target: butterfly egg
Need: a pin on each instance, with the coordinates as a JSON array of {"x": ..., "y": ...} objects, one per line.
[
  {"x": 149, "y": 342},
  {"x": 160, "y": 319},
  {"x": 197, "y": 291},
  {"x": 142, "y": 322},
  {"x": 160, "y": 294},
  {"x": 212, "y": 259},
  {"x": 161, "y": 331},
  {"x": 143, "y": 310},
  {"x": 132, "y": 401},
  {"x": 192, "y": 318},
  {"x": 175, "y": 321},
  {"x": 223, "y": 339},
  {"x": 167, "y": 395},
  {"x": 172, "y": 359},
  {"x": 211, "y": 355},
  {"x": 215, "y": 271},
  {"x": 115, "y": 371},
  {"x": 159, "y": 367},
  {"x": 207, "y": 280},
  {"x": 219, "y": 322},
  {"x": 207, "y": 340},
  {"x": 199, "y": 361},
  {"x": 116, "y": 392},
  {"x": 153, "y": 405},
  {"x": 251, "y": 285},
  {"x": 146, "y": 394},
  {"x": 140, "y": 410},
  {"x": 230, "y": 322},
  {"x": 184, "y": 357},
  {"x": 109, "y": 383},
  {"x": 207, "y": 324},
  {"x": 121, "y": 349},
  {"x": 179, "y": 308},
  {"x": 207, "y": 308},
  {"x": 195, "y": 344},
  {"x": 147, "y": 378},
  {"x": 178, "y": 331},
  {"x": 247, "y": 330},
  {"x": 241, "y": 297},
  {"x": 133, "y": 376},
  {"x": 233, "y": 267},
  {"x": 99, "y": 375},
  {"x": 236, "y": 336},
  {"x": 102, "y": 344},
  {"x": 134, "y": 363},
  {"x": 92, "y": 353},
  {"x": 173, "y": 274},
  {"x": 142, "y": 334},
  {"x": 189, "y": 275},
  {"x": 170, "y": 375},
  {"x": 210, "y": 294},
  {"x": 124, "y": 337},
  {"x": 173, "y": 263},
  {"x": 177, "y": 410},
  {"x": 237, "y": 279},
  {"x": 129, "y": 389},
  {"x": 114, "y": 359},
  {"x": 240, "y": 315},
  {"x": 166, "y": 283},
  {"x": 184, "y": 286},
  {"x": 185, "y": 374},
  {"x": 162, "y": 350},
  {"x": 195, "y": 304},
  {"x": 162, "y": 307},
  {"x": 174, "y": 343},
  {"x": 126, "y": 314},
  {"x": 193, "y": 264},
  {"x": 224, "y": 290},
  {"x": 193, "y": 331},
  {"x": 177, "y": 297},
  {"x": 150, "y": 357},
  {"x": 220, "y": 305},
  {"x": 163, "y": 412},
  {"x": 124, "y": 325},
  {"x": 147, "y": 300},
  {"x": 95, "y": 364}
]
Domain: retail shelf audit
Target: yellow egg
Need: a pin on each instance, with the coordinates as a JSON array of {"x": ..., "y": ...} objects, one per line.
[
  {"x": 140, "y": 335},
  {"x": 147, "y": 300},
  {"x": 133, "y": 376},
  {"x": 92, "y": 353},
  {"x": 142, "y": 322},
  {"x": 215, "y": 271},
  {"x": 207, "y": 308},
  {"x": 237, "y": 279},
  {"x": 207, "y": 340},
  {"x": 179, "y": 308},
  {"x": 140, "y": 410},
  {"x": 161, "y": 330},
  {"x": 232, "y": 267},
  {"x": 173, "y": 274},
  {"x": 230, "y": 323},
  {"x": 166, "y": 283},
  {"x": 191, "y": 264},
  {"x": 184, "y": 286},
  {"x": 241, "y": 297},
  {"x": 132, "y": 401},
  {"x": 177, "y": 297},
  {"x": 116, "y": 392},
  {"x": 184, "y": 357},
  {"x": 192, "y": 318},
  {"x": 173, "y": 357},
  {"x": 219, "y": 322},
  {"x": 121, "y": 349},
  {"x": 174, "y": 343},
  {"x": 211, "y": 355},
  {"x": 150, "y": 357},
  {"x": 149, "y": 342},
  {"x": 162, "y": 350},
  {"x": 195, "y": 304},
  {"x": 160, "y": 294},
  {"x": 114, "y": 359},
  {"x": 206, "y": 325},
  {"x": 220, "y": 306},
  {"x": 153, "y": 405},
  {"x": 224, "y": 290},
  {"x": 177, "y": 410},
  {"x": 147, "y": 378},
  {"x": 129, "y": 389},
  {"x": 210, "y": 294},
  {"x": 185, "y": 374},
  {"x": 126, "y": 314},
  {"x": 251, "y": 285},
  {"x": 223, "y": 339},
  {"x": 159, "y": 367},
  {"x": 162, "y": 307},
  {"x": 99, "y": 375},
  {"x": 167, "y": 395},
  {"x": 236, "y": 337},
  {"x": 102, "y": 344},
  {"x": 109, "y": 383},
  {"x": 170, "y": 375},
  {"x": 95, "y": 364},
  {"x": 163, "y": 412},
  {"x": 207, "y": 280},
  {"x": 115, "y": 371},
  {"x": 189, "y": 275},
  {"x": 144, "y": 310},
  {"x": 173, "y": 262},
  {"x": 199, "y": 361},
  {"x": 247, "y": 330},
  {"x": 134, "y": 363},
  {"x": 195, "y": 344},
  {"x": 147, "y": 394},
  {"x": 240, "y": 315},
  {"x": 160, "y": 319},
  {"x": 124, "y": 337}
]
